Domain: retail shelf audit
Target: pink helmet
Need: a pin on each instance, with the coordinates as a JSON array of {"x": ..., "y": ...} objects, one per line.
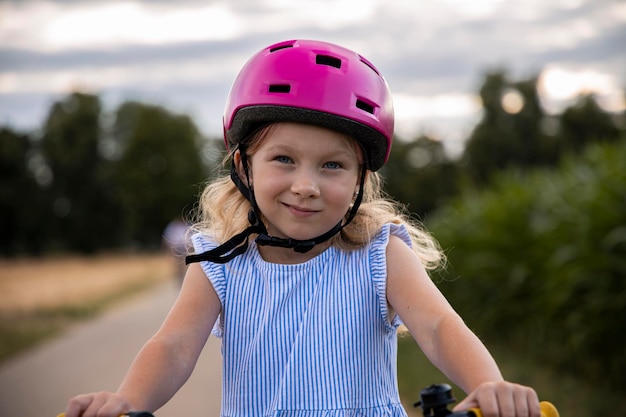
[{"x": 317, "y": 83}]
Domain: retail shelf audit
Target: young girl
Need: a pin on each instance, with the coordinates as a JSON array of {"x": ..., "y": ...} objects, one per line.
[{"x": 302, "y": 267}]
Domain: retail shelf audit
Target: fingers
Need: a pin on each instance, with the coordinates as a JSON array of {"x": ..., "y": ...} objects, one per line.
[
  {"x": 502, "y": 399},
  {"x": 101, "y": 404}
]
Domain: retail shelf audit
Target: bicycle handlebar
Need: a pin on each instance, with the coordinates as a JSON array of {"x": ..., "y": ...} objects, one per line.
[
  {"x": 435, "y": 399},
  {"x": 547, "y": 409},
  {"x": 434, "y": 402},
  {"x": 129, "y": 414}
]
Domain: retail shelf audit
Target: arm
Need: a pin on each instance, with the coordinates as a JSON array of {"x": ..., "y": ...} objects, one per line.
[
  {"x": 167, "y": 360},
  {"x": 447, "y": 342}
]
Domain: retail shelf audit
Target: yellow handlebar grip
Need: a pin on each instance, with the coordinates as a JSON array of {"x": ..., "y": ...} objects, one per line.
[
  {"x": 475, "y": 411},
  {"x": 63, "y": 415},
  {"x": 547, "y": 410}
]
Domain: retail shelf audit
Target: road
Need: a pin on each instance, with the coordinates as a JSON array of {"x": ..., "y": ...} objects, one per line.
[{"x": 95, "y": 355}]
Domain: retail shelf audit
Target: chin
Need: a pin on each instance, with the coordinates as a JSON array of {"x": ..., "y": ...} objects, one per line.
[{"x": 297, "y": 235}]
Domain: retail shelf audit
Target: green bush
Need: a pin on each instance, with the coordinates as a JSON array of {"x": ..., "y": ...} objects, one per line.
[{"x": 538, "y": 262}]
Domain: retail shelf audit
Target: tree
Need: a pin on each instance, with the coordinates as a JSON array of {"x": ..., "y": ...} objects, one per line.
[
  {"x": 81, "y": 199},
  {"x": 552, "y": 262},
  {"x": 585, "y": 122},
  {"x": 159, "y": 170},
  {"x": 509, "y": 133},
  {"x": 419, "y": 174},
  {"x": 20, "y": 196}
]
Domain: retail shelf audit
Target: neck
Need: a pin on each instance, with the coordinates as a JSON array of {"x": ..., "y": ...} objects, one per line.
[{"x": 288, "y": 256}]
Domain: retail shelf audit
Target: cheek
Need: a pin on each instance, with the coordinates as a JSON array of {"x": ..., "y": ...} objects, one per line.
[
  {"x": 341, "y": 192},
  {"x": 266, "y": 185}
]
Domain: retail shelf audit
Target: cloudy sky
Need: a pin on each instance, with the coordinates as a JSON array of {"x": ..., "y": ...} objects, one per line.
[{"x": 185, "y": 54}]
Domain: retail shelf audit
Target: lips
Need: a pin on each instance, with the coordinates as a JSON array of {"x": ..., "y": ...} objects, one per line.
[{"x": 300, "y": 211}]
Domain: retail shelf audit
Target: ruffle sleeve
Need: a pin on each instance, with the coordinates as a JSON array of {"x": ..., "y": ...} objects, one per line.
[
  {"x": 215, "y": 274},
  {"x": 378, "y": 260}
]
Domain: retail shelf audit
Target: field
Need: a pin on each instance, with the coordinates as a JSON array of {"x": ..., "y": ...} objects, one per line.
[{"x": 40, "y": 297}]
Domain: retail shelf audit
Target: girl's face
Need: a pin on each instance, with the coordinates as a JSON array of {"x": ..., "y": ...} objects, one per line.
[{"x": 304, "y": 179}]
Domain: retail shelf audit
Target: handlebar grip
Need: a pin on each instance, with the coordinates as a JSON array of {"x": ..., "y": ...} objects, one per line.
[
  {"x": 547, "y": 410},
  {"x": 129, "y": 414}
]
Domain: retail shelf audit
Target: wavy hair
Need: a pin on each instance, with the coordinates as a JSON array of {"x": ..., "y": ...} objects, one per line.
[{"x": 223, "y": 212}]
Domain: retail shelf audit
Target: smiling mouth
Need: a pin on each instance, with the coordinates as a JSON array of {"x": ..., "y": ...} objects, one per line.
[{"x": 301, "y": 210}]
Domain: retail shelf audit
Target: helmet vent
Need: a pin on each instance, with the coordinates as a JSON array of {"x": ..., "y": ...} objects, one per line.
[
  {"x": 279, "y": 47},
  {"x": 369, "y": 64},
  {"x": 331, "y": 61},
  {"x": 279, "y": 88},
  {"x": 360, "y": 104}
]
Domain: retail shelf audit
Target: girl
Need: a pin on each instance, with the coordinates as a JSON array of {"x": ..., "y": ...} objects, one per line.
[{"x": 302, "y": 267}]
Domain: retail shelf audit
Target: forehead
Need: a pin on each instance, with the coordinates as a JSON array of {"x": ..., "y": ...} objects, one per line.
[{"x": 308, "y": 138}]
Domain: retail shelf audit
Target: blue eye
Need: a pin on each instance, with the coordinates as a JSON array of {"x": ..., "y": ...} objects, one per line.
[
  {"x": 283, "y": 159},
  {"x": 332, "y": 165}
]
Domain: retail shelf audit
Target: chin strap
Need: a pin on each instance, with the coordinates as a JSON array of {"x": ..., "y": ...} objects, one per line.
[
  {"x": 232, "y": 248},
  {"x": 238, "y": 244}
]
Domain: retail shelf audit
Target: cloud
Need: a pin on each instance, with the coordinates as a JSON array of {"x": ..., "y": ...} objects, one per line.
[{"x": 184, "y": 54}]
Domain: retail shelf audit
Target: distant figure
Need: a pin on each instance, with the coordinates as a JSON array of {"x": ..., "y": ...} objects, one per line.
[{"x": 174, "y": 240}]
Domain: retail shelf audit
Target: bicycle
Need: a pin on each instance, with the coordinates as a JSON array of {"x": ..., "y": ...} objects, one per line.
[
  {"x": 434, "y": 402},
  {"x": 129, "y": 414}
]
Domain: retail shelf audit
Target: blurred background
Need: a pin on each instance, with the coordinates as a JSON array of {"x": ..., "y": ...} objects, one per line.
[{"x": 510, "y": 148}]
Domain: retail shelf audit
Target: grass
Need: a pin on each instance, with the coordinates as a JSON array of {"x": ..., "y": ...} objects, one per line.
[
  {"x": 415, "y": 372},
  {"x": 21, "y": 330},
  {"x": 40, "y": 298},
  {"x": 571, "y": 396}
]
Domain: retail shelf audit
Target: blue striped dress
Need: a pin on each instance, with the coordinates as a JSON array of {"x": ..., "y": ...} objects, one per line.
[{"x": 307, "y": 340}]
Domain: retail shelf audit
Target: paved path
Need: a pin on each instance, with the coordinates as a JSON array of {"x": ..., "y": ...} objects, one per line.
[{"x": 94, "y": 356}]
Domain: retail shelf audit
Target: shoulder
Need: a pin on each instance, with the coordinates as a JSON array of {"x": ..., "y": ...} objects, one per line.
[
  {"x": 400, "y": 256},
  {"x": 391, "y": 231},
  {"x": 389, "y": 234},
  {"x": 379, "y": 245},
  {"x": 203, "y": 242},
  {"x": 410, "y": 291},
  {"x": 406, "y": 273}
]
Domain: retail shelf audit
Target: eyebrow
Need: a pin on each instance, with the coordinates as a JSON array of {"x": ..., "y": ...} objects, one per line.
[{"x": 326, "y": 155}]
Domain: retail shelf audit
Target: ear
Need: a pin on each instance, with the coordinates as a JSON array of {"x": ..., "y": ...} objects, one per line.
[
  {"x": 238, "y": 162},
  {"x": 357, "y": 188}
]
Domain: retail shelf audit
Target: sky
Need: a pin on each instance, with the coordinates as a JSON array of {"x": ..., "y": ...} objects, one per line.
[{"x": 184, "y": 54}]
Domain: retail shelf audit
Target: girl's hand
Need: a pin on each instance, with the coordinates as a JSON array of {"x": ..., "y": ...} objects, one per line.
[
  {"x": 100, "y": 404},
  {"x": 502, "y": 399}
]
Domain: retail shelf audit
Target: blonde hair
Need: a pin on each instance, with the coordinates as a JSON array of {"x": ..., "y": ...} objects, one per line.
[{"x": 223, "y": 212}]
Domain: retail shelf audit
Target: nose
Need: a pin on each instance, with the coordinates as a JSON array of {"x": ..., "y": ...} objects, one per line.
[{"x": 305, "y": 184}]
